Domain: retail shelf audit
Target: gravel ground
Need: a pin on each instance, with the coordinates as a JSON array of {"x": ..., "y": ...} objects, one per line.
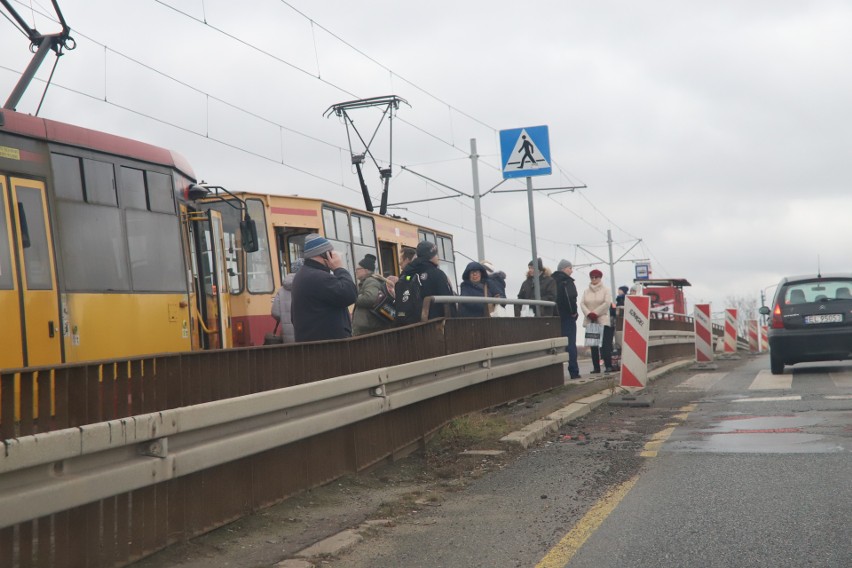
[{"x": 394, "y": 491}]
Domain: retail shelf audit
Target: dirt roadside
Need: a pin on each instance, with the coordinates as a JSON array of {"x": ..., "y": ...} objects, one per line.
[{"x": 387, "y": 491}]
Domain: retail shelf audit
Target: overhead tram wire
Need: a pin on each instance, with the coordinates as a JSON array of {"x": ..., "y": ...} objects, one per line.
[
  {"x": 193, "y": 132},
  {"x": 213, "y": 97},
  {"x": 317, "y": 77}
]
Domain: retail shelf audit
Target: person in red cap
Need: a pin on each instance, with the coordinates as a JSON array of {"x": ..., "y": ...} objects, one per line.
[{"x": 595, "y": 304}]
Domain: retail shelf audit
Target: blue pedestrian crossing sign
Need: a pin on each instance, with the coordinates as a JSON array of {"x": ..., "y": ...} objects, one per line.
[{"x": 525, "y": 152}]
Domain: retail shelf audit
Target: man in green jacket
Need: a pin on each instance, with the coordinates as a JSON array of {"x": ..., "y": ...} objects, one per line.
[{"x": 370, "y": 287}]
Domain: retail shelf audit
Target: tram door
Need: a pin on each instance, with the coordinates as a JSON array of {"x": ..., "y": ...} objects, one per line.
[
  {"x": 212, "y": 291},
  {"x": 31, "y": 333}
]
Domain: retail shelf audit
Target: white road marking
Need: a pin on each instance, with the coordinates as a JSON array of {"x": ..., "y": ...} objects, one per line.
[
  {"x": 839, "y": 397},
  {"x": 765, "y": 380},
  {"x": 768, "y": 399}
]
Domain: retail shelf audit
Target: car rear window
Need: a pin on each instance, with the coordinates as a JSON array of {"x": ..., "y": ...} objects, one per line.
[{"x": 823, "y": 290}]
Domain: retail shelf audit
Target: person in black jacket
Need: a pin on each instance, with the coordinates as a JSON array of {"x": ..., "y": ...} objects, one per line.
[
  {"x": 547, "y": 287},
  {"x": 566, "y": 304},
  {"x": 322, "y": 292},
  {"x": 433, "y": 281},
  {"x": 475, "y": 284}
]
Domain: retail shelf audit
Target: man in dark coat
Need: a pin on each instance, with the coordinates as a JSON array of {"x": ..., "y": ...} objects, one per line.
[
  {"x": 566, "y": 303},
  {"x": 548, "y": 290},
  {"x": 322, "y": 292},
  {"x": 433, "y": 281}
]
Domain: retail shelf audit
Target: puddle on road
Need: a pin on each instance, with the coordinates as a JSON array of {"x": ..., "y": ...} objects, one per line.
[{"x": 783, "y": 434}]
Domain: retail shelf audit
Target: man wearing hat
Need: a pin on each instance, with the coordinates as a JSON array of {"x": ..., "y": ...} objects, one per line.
[
  {"x": 433, "y": 281},
  {"x": 371, "y": 288},
  {"x": 547, "y": 286},
  {"x": 566, "y": 303},
  {"x": 322, "y": 292}
]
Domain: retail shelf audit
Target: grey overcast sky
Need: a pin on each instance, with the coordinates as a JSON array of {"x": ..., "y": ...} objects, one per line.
[{"x": 719, "y": 133}]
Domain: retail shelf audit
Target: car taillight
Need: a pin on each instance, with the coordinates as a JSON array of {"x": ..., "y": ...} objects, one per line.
[{"x": 777, "y": 320}]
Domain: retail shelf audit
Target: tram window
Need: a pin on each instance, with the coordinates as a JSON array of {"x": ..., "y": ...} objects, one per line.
[
  {"x": 345, "y": 251},
  {"x": 231, "y": 230},
  {"x": 341, "y": 219},
  {"x": 447, "y": 258},
  {"x": 132, "y": 189},
  {"x": 259, "y": 263},
  {"x": 445, "y": 248},
  {"x": 156, "y": 263},
  {"x": 363, "y": 231},
  {"x": 160, "y": 194},
  {"x": 6, "y": 281},
  {"x": 426, "y": 236},
  {"x": 91, "y": 261},
  {"x": 37, "y": 255},
  {"x": 68, "y": 178},
  {"x": 296, "y": 246},
  {"x": 328, "y": 222},
  {"x": 100, "y": 182}
]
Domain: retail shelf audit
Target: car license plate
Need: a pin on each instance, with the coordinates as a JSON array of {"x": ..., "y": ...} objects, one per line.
[{"x": 824, "y": 318}]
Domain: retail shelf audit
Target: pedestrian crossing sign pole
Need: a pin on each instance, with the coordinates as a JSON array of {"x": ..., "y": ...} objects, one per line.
[{"x": 525, "y": 152}]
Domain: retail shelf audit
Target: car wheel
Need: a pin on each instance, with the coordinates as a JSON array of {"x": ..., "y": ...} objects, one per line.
[{"x": 776, "y": 364}]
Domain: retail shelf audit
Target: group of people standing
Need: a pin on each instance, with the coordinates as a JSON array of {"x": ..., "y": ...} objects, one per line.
[
  {"x": 313, "y": 302},
  {"x": 595, "y": 303}
]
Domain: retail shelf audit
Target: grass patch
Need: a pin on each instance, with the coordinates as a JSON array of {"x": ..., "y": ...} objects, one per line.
[{"x": 469, "y": 432}]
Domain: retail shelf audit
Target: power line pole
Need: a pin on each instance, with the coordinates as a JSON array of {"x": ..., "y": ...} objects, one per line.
[
  {"x": 474, "y": 161},
  {"x": 611, "y": 263}
]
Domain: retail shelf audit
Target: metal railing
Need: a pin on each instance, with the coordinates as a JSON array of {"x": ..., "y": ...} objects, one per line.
[
  {"x": 119, "y": 484},
  {"x": 47, "y": 473}
]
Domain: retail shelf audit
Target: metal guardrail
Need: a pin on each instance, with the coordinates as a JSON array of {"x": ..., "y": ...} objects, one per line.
[{"x": 46, "y": 473}]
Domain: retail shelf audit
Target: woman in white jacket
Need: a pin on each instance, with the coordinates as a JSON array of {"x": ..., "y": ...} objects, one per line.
[
  {"x": 282, "y": 301},
  {"x": 595, "y": 304}
]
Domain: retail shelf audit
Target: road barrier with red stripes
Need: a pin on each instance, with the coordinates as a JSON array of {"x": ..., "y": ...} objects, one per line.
[
  {"x": 634, "y": 354},
  {"x": 753, "y": 337},
  {"x": 703, "y": 334},
  {"x": 730, "y": 331}
]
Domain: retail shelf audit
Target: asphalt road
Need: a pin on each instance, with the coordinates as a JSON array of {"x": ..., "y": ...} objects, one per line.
[{"x": 729, "y": 467}]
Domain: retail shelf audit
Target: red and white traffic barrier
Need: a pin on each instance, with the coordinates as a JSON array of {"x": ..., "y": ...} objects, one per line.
[
  {"x": 764, "y": 338},
  {"x": 703, "y": 334},
  {"x": 731, "y": 330},
  {"x": 634, "y": 343},
  {"x": 753, "y": 341}
]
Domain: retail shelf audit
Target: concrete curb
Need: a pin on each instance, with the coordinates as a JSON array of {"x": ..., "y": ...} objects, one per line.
[
  {"x": 541, "y": 428},
  {"x": 334, "y": 545}
]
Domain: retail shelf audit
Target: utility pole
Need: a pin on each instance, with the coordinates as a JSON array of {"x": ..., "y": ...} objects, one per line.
[
  {"x": 536, "y": 283},
  {"x": 474, "y": 162},
  {"x": 611, "y": 263}
]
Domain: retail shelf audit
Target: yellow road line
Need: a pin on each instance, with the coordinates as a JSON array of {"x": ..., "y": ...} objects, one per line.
[
  {"x": 560, "y": 555},
  {"x": 565, "y": 549}
]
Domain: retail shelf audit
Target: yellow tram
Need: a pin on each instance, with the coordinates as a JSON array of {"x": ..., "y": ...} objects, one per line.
[{"x": 109, "y": 248}]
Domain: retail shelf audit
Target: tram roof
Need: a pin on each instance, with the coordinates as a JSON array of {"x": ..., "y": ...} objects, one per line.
[{"x": 71, "y": 135}]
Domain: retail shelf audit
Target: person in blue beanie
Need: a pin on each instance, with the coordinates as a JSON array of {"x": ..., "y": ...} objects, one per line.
[{"x": 322, "y": 292}]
